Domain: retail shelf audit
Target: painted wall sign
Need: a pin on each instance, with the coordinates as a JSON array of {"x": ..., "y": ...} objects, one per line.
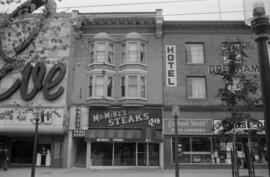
[
  {"x": 78, "y": 133},
  {"x": 23, "y": 116},
  {"x": 171, "y": 72},
  {"x": 252, "y": 69},
  {"x": 78, "y": 117},
  {"x": 136, "y": 118},
  {"x": 188, "y": 126},
  {"x": 242, "y": 127},
  {"x": 46, "y": 84}
]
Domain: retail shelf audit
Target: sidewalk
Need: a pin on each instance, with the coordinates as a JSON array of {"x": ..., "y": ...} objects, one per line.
[{"x": 82, "y": 172}]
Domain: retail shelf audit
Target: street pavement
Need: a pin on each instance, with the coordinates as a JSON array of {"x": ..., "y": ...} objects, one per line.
[{"x": 82, "y": 172}]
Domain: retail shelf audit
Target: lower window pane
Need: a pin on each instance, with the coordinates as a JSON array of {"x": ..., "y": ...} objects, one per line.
[
  {"x": 153, "y": 154},
  {"x": 125, "y": 154},
  {"x": 101, "y": 154}
]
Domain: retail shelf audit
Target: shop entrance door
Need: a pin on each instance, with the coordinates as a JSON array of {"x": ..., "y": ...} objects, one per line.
[{"x": 125, "y": 154}]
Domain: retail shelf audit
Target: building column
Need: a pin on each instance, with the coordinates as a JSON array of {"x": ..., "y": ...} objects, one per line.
[
  {"x": 161, "y": 155},
  {"x": 88, "y": 155},
  {"x": 68, "y": 149}
]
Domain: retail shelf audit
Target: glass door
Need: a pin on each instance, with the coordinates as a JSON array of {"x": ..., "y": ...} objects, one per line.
[
  {"x": 125, "y": 154},
  {"x": 142, "y": 154},
  {"x": 102, "y": 154}
]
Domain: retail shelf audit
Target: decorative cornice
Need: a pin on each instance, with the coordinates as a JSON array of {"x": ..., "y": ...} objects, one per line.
[{"x": 205, "y": 25}]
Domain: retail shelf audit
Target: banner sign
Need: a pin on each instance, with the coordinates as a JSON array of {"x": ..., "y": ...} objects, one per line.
[
  {"x": 188, "y": 126},
  {"x": 241, "y": 127},
  {"x": 78, "y": 117},
  {"x": 171, "y": 74},
  {"x": 24, "y": 116},
  {"x": 78, "y": 133},
  {"x": 130, "y": 117}
]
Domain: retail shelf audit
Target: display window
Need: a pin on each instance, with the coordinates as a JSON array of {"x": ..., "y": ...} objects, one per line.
[
  {"x": 194, "y": 150},
  {"x": 124, "y": 154}
]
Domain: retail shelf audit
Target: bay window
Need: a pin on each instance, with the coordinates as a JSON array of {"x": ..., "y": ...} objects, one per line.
[
  {"x": 134, "y": 49},
  {"x": 100, "y": 86},
  {"x": 133, "y": 86},
  {"x": 134, "y": 52},
  {"x": 102, "y": 49}
]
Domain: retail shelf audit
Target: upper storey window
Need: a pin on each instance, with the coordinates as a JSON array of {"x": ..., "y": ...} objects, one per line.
[
  {"x": 134, "y": 49},
  {"x": 102, "y": 49},
  {"x": 195, "y": 53}
]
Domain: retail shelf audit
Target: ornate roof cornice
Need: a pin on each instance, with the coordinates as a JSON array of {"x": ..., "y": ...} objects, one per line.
[
  {"x": 125, "y": 19},
  {"x": 203, "y": 26}
]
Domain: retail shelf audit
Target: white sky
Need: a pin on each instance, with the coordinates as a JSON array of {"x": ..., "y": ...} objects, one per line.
[{"x": 232, "y": 8}]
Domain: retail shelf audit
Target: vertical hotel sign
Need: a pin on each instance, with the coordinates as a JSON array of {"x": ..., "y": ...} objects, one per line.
[{"x": 171, "y": 76}]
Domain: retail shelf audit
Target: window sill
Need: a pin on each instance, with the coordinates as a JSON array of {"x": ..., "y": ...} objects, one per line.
[
  {"x": 124, "y": 64},
  {"x": 198, "y": 99},
  {"x": 104, "y": 63},
  {"x": 133, "y": 98},
  {"x": 100, "y": 98}
]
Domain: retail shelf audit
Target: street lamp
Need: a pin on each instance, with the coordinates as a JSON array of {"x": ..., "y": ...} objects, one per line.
[
  {"x": 176, "y": 113},
  {"x": 35, "y": 120},
  {"x": 256, "y": 14}
]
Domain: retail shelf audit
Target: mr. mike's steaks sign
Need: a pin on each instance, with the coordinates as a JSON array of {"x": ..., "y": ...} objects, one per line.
[{"x": 125, "y": 118}]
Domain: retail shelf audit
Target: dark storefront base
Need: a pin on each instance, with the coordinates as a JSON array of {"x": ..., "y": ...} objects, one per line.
[
  {"x": 213, "y": 166},
  {"x": 21, "y": 149}
]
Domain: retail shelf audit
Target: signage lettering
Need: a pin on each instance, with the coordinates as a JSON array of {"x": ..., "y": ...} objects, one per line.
[
  {"x": 53, "y": 78},
  {"x": 171, "y": 75},
  {"x": 186, "y": 126},
  {"x": 125, "y": 118},
  {"x": 214, "y": 69}
]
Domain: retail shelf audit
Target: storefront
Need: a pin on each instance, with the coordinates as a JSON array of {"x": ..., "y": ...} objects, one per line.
[
  {"x": 195, "y": 136},
  {"x": 202, "y": 146},
  {"x": 124, "y": 137},
  {"x": 17, "y": 128}
]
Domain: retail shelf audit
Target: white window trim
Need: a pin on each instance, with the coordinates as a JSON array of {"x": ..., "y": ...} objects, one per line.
[
  {"x": 105, "y": 87},
  {"x": 203, "y": 58},
  {"x": 126, "y": 51},
  {"x": 107, "y": 44},
  {"x": 138, "y": 85},
  {"x": 205, "y": 92}
]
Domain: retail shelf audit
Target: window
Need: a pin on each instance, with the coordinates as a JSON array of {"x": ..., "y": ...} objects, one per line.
[
  {"x": 102, "y": 49},
  {"x": 100, "y": 86},
  {"x": 90, "y": 86},
  {"x": 123, "y": 88},
  {"x": 195, "y": 54},
  {"x": 133, "y": 86},
  {"x": 236, "y": 85},
  {"x": 196, "y": 87},
  {"x": 229, "y": 48},
  {"x": 101, "y": 52},
  {"x": 109, "y": 87},
  {"x": 134, "y": 52}
]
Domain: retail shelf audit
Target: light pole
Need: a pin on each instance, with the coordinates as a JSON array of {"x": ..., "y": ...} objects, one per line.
[
  {"x": 256, "y": 14},
  {"x": 35, "y": 120},
  {"x": 176, "y": 113}
]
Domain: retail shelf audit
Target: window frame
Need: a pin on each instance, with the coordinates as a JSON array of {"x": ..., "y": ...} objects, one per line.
[
  {"x": 188, "y": 90},
  {"x": 141, "y": 52},
  {"x": 126, "y": 86},
  {"x": 224, "y": 59},
  {"x": 187, "y": 56},
  {"x": 109, "y": 52},
  {"x": 105, "y": 77}
]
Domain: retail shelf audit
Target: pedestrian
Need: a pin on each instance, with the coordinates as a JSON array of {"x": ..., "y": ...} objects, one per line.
[{"x": 4, "y": 159}]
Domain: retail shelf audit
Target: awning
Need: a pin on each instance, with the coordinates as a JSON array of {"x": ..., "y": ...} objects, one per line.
[{"x": 124, "y": 135}]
